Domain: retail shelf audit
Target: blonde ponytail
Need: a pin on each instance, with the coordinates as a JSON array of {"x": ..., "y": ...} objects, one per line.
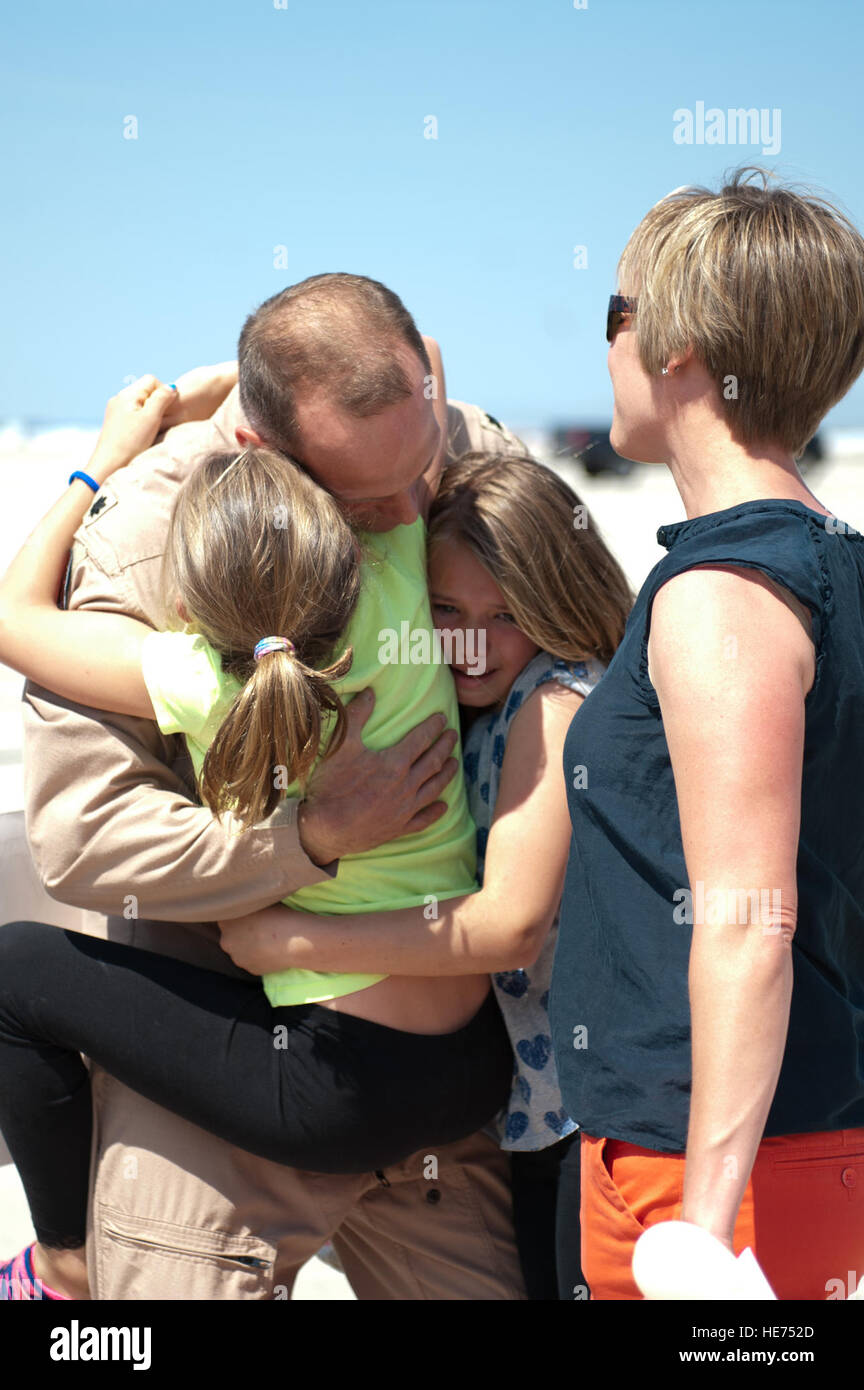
[
  {"x": 255, "y": 546},
  {"x": 271, "y": 735}
]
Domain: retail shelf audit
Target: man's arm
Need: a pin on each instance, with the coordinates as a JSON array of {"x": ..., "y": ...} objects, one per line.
[
  {"x": 112, "y": 827},
  {"x": 109, "y": 814}
]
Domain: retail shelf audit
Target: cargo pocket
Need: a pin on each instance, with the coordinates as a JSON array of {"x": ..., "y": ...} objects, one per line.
[{"x": 145, "y": 1258}]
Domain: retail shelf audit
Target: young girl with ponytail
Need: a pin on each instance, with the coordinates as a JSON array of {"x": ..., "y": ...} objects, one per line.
[{"x": 281, "y": 606}]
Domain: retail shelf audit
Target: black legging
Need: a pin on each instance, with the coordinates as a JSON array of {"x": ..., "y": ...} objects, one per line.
[
  {"x": 572, "y": 1283},
  {"x": 303, "y": 1086},
  {"x": 545, "y": 1186}
]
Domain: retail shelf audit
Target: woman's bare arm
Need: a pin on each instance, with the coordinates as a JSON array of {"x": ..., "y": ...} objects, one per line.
[
  {"x": 735, "y": 729},
  {"x": 501, "y": 927}
]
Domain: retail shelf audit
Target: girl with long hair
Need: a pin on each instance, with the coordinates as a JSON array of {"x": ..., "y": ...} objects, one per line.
[{"x": 517, "y": 564}]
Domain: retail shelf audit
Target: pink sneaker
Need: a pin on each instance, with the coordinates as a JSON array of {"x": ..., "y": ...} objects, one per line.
[{"x": 18, "y": 1280}]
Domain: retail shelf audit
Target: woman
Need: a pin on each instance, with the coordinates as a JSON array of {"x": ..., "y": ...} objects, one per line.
[{"x": 717, "y": 823}]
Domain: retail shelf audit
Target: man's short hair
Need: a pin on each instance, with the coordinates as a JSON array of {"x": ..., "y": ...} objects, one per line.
[
  {"x": 337, "y": 331},
  {"x": 767, "y": 286}
]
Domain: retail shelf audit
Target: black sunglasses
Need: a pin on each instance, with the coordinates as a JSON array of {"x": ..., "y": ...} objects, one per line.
[{"x": 619, "y": 308}]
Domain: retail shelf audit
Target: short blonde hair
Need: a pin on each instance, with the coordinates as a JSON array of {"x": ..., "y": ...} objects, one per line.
[{"x": 767, "y": 286}]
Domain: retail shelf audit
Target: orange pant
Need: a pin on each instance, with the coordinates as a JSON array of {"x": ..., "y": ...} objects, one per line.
[{"x": 802, "y": 1212}]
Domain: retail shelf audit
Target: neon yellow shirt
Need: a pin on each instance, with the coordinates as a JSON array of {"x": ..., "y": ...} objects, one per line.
[{"x": 191, "y": 695}]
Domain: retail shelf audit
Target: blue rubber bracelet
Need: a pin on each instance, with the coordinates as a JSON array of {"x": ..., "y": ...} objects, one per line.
[{"x": 85, "y": 478}]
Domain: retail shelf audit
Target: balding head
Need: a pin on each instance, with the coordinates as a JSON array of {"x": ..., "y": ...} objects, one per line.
[
  {"x": 341, "y": 335},
  {"x": 334, "y": 373}
]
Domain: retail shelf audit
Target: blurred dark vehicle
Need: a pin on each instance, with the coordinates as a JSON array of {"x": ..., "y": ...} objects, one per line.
[
  {"x": 814, "y": 453},
  {"x": 590, "y": 447}
]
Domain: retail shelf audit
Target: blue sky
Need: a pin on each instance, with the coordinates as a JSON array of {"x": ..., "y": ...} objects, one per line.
[{"x": 303, "y": 127}]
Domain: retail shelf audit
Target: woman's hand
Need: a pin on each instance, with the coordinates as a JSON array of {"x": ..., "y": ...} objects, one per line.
[
  {"x": 199, "y": 393},
  {"x": 133, "y": 418}
]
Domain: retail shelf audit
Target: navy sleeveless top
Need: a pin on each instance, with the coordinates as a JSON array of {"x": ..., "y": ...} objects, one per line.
[{"x": 619, "y": 1004}]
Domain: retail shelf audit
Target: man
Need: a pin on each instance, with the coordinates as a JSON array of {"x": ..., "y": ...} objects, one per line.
[{"x": 334, "y": 372}]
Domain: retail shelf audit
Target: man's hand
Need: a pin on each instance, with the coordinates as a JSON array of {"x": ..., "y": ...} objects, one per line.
[{"x": 360, "y": 798}]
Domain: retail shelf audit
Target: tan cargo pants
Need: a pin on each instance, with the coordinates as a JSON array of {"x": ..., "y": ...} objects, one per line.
[
  {"x": 175, "y": 1213},
  {"x": 178, "y": 1214}
]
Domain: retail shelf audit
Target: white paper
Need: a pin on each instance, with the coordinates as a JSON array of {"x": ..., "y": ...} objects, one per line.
[{"x": 676, "y": 1260}]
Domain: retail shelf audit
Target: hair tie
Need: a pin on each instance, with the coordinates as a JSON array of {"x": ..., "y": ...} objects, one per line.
[{"x": 273, "y": 644}]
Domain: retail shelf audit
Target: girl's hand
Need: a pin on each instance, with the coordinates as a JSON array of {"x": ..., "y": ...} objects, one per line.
[
  {"x": 199, "y": 393},
  {"x": 252, "y": 941},
  {"x": 133, "y": 418}
]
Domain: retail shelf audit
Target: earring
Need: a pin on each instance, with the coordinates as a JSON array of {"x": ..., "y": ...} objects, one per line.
[{"x": 664, "y": 371}]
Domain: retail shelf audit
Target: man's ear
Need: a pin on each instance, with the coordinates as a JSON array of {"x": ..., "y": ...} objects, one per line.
[{"x": 245, "y": 436}]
